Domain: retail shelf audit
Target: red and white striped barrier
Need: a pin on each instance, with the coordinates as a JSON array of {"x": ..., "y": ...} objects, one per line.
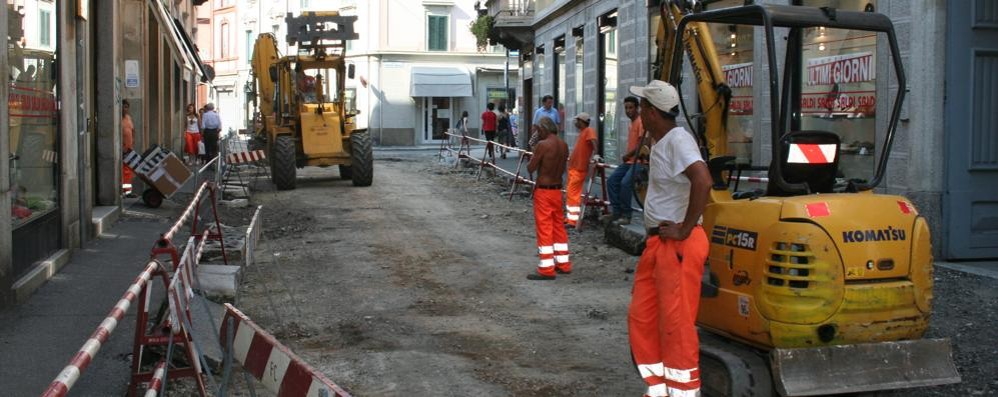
[
  {"x": 811, "y": 153},
  {"x": 273, "y": 364},
  {"x": 246, "y": 157},
  {"x": 69, "y": 375},
  {"x": 157, "y": 380}
]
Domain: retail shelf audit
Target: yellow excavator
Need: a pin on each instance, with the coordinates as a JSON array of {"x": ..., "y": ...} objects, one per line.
[
  {"x": 301, "y": 101},
  {"x": 816, "y": 285}
]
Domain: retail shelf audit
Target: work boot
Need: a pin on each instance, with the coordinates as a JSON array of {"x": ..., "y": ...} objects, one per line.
[
  {"x": 608, "y": 218},
  {"x": 622, "y": 221},
  {"x": 539, "y": 277}
]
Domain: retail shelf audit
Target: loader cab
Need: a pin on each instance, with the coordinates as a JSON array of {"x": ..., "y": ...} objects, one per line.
[{"x": 820, "y": 72}]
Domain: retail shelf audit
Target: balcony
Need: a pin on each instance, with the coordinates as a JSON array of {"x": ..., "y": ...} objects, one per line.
[{"x": 512, "y": 22}]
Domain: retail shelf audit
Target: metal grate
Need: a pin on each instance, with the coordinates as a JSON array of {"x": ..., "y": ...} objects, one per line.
[{"x": 790, "y": 265}]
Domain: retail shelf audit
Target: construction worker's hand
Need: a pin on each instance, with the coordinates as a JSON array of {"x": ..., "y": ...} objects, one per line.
[
  {"x": 672, "y": 231},
  {"x": 597, "y": 159}
]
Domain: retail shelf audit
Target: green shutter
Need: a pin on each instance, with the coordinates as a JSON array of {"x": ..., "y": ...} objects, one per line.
[{"x": 437, "y": 32}]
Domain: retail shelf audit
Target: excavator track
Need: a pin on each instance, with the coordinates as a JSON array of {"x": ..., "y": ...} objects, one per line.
[{"x": 731, "y": 369}]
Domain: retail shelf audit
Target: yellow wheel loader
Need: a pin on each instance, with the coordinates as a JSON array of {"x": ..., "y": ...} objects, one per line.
[
  {"x": 817, "y": 285},
  {"x": 302, "y": 104}
]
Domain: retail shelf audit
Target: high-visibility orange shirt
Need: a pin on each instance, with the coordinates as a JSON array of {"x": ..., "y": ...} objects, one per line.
[
  {"x": 127, "y": 133},
  {"x": 583, "y": 150},
  {"x": 634, "y": 137}
]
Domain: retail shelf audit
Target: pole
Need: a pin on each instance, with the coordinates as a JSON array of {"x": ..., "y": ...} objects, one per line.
[{"x": 505, "y": 80}]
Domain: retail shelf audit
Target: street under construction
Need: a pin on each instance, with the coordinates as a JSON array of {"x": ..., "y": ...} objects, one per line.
[{"x": 415, "y": 286}]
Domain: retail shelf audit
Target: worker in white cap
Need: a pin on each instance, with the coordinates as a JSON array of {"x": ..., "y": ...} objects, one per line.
[{"x": 666, "y": 291}]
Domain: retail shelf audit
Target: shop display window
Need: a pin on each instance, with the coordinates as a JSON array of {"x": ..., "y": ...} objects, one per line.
[{"x": 33, "y": 104}]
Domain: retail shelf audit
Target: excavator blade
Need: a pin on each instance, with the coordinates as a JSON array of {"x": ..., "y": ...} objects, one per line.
[{"x": 863, "y": 367}]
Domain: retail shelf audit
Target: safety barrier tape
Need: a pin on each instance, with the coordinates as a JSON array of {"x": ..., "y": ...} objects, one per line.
[
  {"x": 71, "y": 373},
  {"x": 273, "y": 364}
]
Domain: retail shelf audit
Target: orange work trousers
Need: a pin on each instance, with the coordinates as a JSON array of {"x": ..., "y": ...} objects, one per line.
[
  {"x": 126, "y": 179},
  {"x": 573, "y": 195},
  {"x": 552, "y": 240},
  {"x": 661, "y": 319}
]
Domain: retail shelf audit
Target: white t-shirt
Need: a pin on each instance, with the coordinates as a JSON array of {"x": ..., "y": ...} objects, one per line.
[{"x": 668, "y": 187}]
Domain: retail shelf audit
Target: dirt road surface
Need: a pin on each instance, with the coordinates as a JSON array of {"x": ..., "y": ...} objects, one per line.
[{"x": 416, "y": 286}]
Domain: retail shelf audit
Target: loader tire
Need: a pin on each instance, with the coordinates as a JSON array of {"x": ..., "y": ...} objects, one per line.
[
  {"x": 361, "y": 159},
  {"x": 346, "y": 172},
  {"x": 283, "y": 163}
]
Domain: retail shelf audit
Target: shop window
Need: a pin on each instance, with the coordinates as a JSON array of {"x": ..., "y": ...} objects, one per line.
[
  {"x": 539, "y": 78},
  {"x": 34, "y": 118},
  {"x": 608, "y": 85},
  {"x": 559, "y": 72},
  {"x": 734, "y": 46},
  {"x": 577, "y": 34},
  {"x": 839, "y": 89},
  {"x": 436, "y": 32}
]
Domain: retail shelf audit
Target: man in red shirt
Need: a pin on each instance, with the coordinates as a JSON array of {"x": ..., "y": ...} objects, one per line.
[
  {"x": 489, "y": 128},
  {"x": 620, "y": 185},
  {"x": 578, "y": 167}
]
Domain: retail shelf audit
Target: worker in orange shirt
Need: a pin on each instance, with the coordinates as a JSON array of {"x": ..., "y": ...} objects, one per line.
[
  {"x": 127, "y": 143},
  {"x": 578, "y": 167}
]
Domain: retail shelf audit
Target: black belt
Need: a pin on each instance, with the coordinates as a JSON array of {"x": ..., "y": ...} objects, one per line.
[
  {"x": 550, "y": 187},
  {"x": 653, "y": 231}
]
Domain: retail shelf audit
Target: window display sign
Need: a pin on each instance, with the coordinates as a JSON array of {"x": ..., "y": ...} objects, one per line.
[
  {"x": 739, "y": 78},
  {"x": 841, "y": 69}
]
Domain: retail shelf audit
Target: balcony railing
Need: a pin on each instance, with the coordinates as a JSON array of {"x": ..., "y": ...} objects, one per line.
[{"x": 511, "y": 12}]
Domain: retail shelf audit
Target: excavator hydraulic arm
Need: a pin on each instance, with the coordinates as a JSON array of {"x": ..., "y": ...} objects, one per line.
[
  {"x": 714, "y": 93},
  {"x": 265, "y": 56}
]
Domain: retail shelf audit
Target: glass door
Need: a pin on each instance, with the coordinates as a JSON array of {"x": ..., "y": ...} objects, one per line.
[{"x": 436, "y": 118}]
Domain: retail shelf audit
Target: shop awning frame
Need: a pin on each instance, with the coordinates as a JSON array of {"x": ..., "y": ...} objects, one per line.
[
  {"x": 437, "y": 81},
  {"x": 181, "y": 41}
]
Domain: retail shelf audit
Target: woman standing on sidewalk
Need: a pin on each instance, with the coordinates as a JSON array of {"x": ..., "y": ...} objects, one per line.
[{"x": 192, "y": 136}]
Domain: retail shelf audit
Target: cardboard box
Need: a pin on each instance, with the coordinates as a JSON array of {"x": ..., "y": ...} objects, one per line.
[{"x": 163, "y": 171}]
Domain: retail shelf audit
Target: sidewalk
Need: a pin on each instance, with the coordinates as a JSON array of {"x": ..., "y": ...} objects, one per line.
[{"x": 38, "y": 337}]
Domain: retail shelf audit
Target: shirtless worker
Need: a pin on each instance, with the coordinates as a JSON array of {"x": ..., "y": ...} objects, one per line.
[{"x": 548, "y": 161}]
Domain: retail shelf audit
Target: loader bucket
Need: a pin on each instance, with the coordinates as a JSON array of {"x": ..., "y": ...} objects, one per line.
[{"x": 863, "y": 367}]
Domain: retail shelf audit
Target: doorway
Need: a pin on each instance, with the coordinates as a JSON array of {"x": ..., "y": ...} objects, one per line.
[
  {"x": 437, "y": 115},
  {"x": 970, "y": 207}
]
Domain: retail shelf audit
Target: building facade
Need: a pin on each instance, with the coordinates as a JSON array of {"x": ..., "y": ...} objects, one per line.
[
  {"x": 587, "y": 53},
  {"x": 70, "y": 63},
  {"x": 413, "y": 80}
]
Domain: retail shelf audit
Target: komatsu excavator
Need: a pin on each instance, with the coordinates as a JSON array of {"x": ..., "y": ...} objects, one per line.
[
  {"x": 817, "y": 285},
  {"x": 302, "y": 103}
]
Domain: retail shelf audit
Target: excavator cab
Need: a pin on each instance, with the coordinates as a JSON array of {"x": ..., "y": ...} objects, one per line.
[{"x": 816, "y": 284}]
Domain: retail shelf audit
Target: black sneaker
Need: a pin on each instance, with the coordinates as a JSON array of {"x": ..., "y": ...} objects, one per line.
[{"x": 535, "y": 276}]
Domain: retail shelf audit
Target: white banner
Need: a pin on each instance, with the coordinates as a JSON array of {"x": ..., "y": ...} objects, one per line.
[{"x": 841, "y": 69}]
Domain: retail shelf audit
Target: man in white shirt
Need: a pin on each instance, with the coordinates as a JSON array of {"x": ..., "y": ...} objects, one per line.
[
  {"x": 666, "y": 294},
  {"x": 211, "y": 124}
]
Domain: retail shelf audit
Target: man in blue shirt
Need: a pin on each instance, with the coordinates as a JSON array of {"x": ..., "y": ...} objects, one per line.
[{"x": 549, "y": 111}]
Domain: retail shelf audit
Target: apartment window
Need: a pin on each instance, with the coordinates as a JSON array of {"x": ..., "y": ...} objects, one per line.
[
  {"x": 45, "y": 27},
  {"x": 436, "y": 28},
  {"x": 224, "y": 38},
  {"x": 249, "y": 47}
]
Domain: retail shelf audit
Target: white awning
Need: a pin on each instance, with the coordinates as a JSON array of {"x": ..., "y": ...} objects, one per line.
[{"x": 440, "y": 82}]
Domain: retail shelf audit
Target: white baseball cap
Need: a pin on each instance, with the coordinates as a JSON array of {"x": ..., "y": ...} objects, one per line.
[
  {"x": 583, "y": 116},
  {"x": 660, "y": 94}
]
